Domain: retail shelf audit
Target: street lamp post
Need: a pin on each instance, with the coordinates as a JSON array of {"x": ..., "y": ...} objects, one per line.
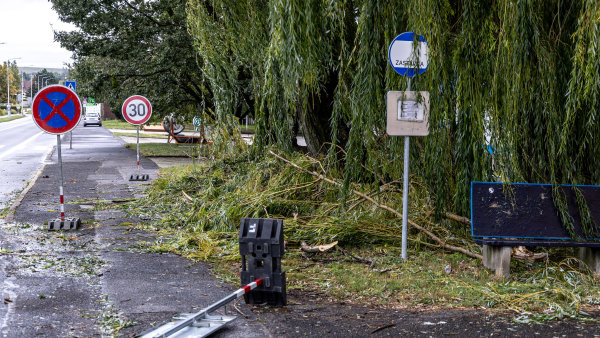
[
  {"x": 38, "y": 82},
  {"x": 22, "y": 78}
]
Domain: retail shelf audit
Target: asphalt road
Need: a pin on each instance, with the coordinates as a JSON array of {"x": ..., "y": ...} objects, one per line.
[{"x": 23, "y": 148}]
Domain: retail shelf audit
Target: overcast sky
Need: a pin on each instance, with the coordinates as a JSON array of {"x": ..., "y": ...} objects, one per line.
[{"x": 27, "y": 31}]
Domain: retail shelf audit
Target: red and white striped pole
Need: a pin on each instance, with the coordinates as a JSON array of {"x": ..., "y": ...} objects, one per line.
[
  {"x": 240, "y": 292},
  {"x": 60, "y": 178},
  {"x": 237, "y": 294}
]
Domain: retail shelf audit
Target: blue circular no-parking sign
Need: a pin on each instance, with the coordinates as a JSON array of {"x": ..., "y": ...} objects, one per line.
[{"x": 56, "y": 109}]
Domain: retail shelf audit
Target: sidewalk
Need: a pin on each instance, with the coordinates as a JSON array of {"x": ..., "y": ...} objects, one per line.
[{"x": 97, "y": 281}]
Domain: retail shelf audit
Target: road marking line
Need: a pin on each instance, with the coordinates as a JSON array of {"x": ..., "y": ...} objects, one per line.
[
  {"x": 20, "y": 146},
  {"x": 23, "y": 121}
]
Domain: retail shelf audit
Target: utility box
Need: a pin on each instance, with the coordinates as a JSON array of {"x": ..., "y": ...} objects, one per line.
[{"x": 261, "y": 248}]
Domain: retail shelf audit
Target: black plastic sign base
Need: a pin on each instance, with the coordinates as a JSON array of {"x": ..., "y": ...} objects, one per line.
[
  {"x": 68, "y": 224},
  {"x": 261, "y": 249},
  {"x": 144, "y": 177}
]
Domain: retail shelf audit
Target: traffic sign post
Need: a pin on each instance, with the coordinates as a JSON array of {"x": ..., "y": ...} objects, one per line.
[
  {"x": 137, "y": 110},
  {"x": 57, "y": 110},
  {"x": 73, "y": 86},
  {"x": 407, "y": 111}
]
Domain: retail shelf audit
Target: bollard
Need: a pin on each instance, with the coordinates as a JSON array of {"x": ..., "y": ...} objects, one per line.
[{"x": 261, "y": 248}]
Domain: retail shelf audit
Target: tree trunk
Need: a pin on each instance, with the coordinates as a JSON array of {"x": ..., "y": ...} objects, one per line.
[{"x": 315, "y": 119}]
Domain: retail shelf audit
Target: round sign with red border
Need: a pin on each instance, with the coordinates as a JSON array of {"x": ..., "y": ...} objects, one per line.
[
  {"x": 56, "y": 109},
  {"x": 136, "y": 110}
]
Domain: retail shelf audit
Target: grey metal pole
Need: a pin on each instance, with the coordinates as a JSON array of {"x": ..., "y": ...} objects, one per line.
[
  {"x": 60, "y": 179},
  {"x": 22, "y": 93},
  {"x": 8, "y": 85},
  {"x": 405, "y": 188},
  {"x": 71, "y": 139},
  {"x": 138, "y": 147}
]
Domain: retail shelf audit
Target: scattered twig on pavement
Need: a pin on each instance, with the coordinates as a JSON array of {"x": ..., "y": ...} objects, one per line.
[
  {"x": 383, "y": 327},
  {"x": 239, "y": 311},
  {"x": 124, "y": 200}
]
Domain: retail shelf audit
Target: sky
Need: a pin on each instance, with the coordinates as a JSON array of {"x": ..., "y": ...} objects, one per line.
[{"x": 27, "y": 30}]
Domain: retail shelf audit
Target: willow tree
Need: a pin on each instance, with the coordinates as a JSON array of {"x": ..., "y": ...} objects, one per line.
[{"x": 520, "y": 77}]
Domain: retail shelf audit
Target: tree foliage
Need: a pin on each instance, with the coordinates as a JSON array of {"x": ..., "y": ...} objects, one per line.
[
  {"x": 14, "y": 79},
  {"x": 127, "y": 47},
  {"x": 521, "y": 77}
]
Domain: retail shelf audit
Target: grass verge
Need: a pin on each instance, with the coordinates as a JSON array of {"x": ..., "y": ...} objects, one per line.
[
  {"x": 142, "y": 135},
  {"x": 117, "y": 124},
  {"x": 197, "y": 210},
  {"x": 165, "y": 149},
  {"x": 13, "y": 117}
]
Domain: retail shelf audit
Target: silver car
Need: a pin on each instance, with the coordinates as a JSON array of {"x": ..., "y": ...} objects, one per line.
[{"x": 92, "y": 118}]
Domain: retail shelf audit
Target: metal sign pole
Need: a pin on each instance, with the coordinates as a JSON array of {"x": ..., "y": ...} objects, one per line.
[
  {"x": 60, "y": 179},
  {"x": 71, "y": 140},
  {"x": 405, "y": 188},
  {"x": 138, "y": 148}
]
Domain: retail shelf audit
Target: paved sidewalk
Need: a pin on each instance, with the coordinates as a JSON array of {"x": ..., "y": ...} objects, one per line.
[{"x": 97, "y": 281}]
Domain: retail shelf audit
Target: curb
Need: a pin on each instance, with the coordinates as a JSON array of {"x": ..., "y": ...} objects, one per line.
[{"x": 11, "y": 211}]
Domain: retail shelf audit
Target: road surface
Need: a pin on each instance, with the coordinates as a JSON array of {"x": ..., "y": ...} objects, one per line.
[{"x": 23, "y": 148}]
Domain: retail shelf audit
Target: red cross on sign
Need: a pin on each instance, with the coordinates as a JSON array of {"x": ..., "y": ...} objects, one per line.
[{"x": 56, "y": 109}]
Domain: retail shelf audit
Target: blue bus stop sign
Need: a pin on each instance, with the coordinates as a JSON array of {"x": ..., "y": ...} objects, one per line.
[{"x": 408, "y": 54}]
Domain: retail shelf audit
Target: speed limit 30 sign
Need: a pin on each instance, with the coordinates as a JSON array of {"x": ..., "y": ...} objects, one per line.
[{"x": 136, "y": 110}]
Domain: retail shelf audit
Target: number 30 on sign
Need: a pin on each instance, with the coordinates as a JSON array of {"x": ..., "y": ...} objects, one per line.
[{"x": 136, "y": 110}]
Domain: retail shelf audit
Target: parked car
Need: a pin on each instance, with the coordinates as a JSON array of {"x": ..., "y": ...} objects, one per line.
[{"x": 92, "y": 118}]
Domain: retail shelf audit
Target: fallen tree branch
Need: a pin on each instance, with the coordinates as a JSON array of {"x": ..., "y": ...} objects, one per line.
[
  {"x": 521, "y": 253},
  {"x": 319, "y": 248},
  {"x": 441, "y": 242},
  {"x": 458, "y": 218},
  {"x": 358, "y": 258},
  {"x": 320, "y": 260}
]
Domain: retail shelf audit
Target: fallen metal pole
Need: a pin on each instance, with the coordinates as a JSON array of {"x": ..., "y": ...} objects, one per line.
[{"x": 202, "y": 314}]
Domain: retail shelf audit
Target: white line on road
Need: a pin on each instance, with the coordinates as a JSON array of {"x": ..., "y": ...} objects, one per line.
[
  {"x": 20, "y": 146},
  {"x": 16, "y": 123}
]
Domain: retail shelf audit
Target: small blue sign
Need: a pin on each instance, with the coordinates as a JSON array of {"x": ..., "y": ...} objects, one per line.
[
  {"x": 407, "y": 57},
  {"x": 71, "y": 85}
]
